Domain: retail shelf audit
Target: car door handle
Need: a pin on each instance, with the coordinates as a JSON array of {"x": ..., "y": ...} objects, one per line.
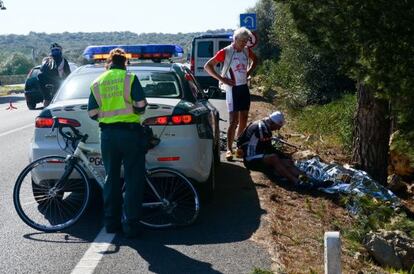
[{"x": 153, "y": 106}]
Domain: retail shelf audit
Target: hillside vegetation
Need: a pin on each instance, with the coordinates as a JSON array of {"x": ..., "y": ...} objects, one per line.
[{"x": 30, "y": 49}]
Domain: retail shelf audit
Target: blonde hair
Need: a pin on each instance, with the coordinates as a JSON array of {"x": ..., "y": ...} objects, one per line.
[
  {"x": 117, "y": 57},
  {"x": 241, "y": 33}
]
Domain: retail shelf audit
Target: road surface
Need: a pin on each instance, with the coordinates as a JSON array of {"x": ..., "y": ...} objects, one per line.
[{"x": 219, "y": 242}]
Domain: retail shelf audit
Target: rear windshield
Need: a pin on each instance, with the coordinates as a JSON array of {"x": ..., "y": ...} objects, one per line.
[{"x": 155, "y": 84}]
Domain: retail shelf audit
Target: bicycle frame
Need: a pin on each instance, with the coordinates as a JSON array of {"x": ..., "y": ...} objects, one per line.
[{"x": 79, "y": 153}]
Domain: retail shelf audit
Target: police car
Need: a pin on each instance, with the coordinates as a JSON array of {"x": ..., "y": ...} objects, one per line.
[{"x": 178, "y": 112}]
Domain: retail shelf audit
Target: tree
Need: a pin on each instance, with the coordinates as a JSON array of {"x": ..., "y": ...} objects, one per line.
[
  {"x": 373, "y": 43},
  {"x": 16, "y": 64},
  {"x": 266, "y": 14},
  {"x": 304, "y": 75}
]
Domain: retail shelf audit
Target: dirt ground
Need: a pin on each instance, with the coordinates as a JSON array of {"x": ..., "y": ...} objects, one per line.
[{"x": 296, "y": 220}]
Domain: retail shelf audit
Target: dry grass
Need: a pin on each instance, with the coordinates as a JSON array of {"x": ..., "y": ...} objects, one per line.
[{"x": 7, "y": 90}]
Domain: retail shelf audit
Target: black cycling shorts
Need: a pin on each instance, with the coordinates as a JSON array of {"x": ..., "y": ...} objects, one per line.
[{"x": 238, "y": 99}]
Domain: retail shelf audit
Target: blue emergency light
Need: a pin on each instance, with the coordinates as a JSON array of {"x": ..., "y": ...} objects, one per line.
[{"x": 148, "y": 51}]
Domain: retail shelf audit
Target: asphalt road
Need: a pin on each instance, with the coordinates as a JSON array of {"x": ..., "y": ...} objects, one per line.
[{"x": 219, "y": 242}]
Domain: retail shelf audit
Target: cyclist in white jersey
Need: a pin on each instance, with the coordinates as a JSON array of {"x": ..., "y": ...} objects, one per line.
[{"x": 233, "y": 79}]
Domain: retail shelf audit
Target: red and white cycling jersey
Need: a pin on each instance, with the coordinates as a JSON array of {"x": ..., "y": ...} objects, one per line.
[{"x": 238, "y": 65}]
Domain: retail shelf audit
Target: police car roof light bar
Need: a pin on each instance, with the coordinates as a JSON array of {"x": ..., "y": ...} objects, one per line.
[{"x": 144, "y": 51}]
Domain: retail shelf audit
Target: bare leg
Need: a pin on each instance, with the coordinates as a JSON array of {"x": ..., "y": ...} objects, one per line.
[
  {"x": 234, "y": 120},
  {"x": 275, "y": 162},
  {"x": 243, "y": 116}
]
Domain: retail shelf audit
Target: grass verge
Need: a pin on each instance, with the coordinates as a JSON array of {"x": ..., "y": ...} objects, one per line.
[
  {"x": 330, "y": 123},
  {"x": 6, "y": 90}
]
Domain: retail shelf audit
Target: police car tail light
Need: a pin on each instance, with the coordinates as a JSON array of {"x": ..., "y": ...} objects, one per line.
[
  {"x": 69, "y": 122},
  {"x": 46, "y": 122},
  {"x": 184, "y": 119},
  {"x": 42, "y": 122},
  {"x": 181, "y": 119}
]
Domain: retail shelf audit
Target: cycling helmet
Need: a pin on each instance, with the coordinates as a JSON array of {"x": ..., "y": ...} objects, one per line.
[
  {"x": 55, "y": 46},
  {"x": 277, "y": 117}
]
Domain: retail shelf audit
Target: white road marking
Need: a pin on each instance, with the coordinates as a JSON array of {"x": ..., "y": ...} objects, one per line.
[
  {"x": 14, "y": 130},
  {"x": 94, "y": 254}
]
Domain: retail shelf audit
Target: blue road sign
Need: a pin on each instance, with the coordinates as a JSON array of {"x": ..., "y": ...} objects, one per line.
[{"x": 248, "y": 20}]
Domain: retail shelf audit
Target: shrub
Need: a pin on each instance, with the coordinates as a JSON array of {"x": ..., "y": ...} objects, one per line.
[
  {"x": 332, "y": 121},
  {"x": 303, "y": 74}
]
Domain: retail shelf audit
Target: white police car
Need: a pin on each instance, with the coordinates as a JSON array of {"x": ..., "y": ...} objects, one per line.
[{"x": 178, "y": 112}]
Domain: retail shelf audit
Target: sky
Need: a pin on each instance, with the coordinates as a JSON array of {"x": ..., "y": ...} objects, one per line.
[{"x": 138, "y": 16}]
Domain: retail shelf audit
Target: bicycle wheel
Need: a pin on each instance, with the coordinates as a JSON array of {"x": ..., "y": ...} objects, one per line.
[
  {"x": 169, "y": 199},
  {"x": 51, "y": 194}
]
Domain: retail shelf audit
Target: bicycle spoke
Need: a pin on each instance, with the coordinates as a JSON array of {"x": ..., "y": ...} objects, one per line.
[
  {"x": 179, "y": 200},
  {"x": 41, "y": 204}
]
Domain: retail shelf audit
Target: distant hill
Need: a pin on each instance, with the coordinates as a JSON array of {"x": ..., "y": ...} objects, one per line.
[{"x": 37, "y": 44}]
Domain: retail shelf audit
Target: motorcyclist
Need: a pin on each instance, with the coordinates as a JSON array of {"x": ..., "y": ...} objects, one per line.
[{"x": 53, "y": 71}]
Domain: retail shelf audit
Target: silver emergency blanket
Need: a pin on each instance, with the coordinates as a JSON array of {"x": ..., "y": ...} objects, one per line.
[{"x": 345, "y": 180}]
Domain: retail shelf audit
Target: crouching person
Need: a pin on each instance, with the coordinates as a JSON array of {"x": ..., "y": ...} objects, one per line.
[{"x": 259, "y": 153}]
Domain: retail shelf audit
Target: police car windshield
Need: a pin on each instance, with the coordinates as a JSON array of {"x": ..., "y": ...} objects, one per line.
[{"x": 155, "y": 84}]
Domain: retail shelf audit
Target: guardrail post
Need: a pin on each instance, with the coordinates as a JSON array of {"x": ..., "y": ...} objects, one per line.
[{"x": 332, "y": 252}]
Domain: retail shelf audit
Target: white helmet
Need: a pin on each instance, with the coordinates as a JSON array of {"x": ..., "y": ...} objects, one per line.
[{"x": 277, "y": 118}]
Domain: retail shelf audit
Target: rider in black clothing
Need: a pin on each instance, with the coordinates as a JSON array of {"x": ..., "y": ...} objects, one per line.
[
  {"x": 258, "y": 152},
  {"x": 53, "y": 71}
]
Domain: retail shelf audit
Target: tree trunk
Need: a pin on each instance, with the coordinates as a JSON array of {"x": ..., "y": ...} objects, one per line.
[{"x": 371, "y": 134}]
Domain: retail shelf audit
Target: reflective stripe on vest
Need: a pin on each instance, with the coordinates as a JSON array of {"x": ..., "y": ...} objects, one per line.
[{"x": 106, "y": 90}]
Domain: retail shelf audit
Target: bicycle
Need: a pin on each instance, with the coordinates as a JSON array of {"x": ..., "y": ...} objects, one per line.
[{"x": 53, "y": 192}]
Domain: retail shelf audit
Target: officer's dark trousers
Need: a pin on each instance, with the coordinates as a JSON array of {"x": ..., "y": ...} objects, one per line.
[{"x": 123, "y": 146}]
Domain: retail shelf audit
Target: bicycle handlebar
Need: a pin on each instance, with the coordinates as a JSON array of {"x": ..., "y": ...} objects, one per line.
[
  {"x": 277, "y": 139},
  {"x": 76, "y": 133}
]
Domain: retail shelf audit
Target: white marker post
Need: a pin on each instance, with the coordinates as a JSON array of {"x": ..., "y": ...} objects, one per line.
[{"x": 332, "y": 252}]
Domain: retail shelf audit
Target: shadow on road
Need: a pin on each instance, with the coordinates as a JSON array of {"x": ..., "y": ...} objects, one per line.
[{"x": 233, "y": 216}]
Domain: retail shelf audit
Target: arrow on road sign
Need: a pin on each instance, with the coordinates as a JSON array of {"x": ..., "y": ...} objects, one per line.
[{"x": 248, "y": 20}]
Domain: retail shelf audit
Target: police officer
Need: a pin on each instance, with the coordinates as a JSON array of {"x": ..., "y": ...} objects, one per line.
[{"x": 117, "y": 101}]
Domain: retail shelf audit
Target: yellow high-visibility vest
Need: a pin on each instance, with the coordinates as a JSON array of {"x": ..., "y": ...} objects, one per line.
[{"x": 112, "y": 92}]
